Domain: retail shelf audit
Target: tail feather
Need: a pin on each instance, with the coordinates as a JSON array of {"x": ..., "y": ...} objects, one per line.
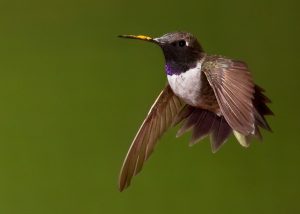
[
  {"x": 261, "y": 110},
  {"x": 203, "y": 122},
  {"x": 183, "y": 114},
  {"x": 242, "y": 139},
  {"x": 191, "y": 120},
  {"x": 220, "y": 132},
  {"x": 203, "y": 126}
]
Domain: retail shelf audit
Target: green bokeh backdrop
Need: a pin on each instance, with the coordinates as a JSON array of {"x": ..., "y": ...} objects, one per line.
[{"x": 73, "y": 95}]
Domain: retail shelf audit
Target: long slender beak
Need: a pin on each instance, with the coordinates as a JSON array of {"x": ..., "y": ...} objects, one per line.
[{"x": 140, "y": 37}]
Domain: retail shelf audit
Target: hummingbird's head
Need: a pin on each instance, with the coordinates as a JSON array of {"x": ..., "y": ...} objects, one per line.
[
  {"x": 181, "y": 50},
  {"x": 180, "y": 47}
]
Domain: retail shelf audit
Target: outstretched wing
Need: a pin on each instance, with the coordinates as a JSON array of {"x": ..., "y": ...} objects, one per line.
[
  {"x": 159, "y": 118},
  {"x": 234, "y": 89}
]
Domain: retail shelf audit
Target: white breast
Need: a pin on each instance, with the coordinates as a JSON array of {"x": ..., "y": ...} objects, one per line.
[{"x": 187, "y": 85}]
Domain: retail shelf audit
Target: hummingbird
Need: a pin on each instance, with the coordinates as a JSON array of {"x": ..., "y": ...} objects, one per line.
[{"x": 210, "y": 95}]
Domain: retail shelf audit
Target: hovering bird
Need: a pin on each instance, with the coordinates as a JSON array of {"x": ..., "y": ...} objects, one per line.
[{"x": 209, "y": 94}]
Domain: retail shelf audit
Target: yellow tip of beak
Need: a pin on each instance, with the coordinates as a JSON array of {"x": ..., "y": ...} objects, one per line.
[{"x": 140, "y": 37}]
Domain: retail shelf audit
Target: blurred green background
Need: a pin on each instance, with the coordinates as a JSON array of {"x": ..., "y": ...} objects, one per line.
[{"x": 73, "y": 96}]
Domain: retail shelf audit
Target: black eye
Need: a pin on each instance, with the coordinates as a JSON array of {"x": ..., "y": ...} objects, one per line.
[{"x": 181, "y": 43}]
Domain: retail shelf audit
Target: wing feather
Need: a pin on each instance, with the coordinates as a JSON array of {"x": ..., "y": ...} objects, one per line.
[
  {"x": 158, "y": 120},
  {"x": 234, "y": 89}
]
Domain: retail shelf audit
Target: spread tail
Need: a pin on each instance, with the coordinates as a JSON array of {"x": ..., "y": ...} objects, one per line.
[{"x": 203, "y": 123}]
